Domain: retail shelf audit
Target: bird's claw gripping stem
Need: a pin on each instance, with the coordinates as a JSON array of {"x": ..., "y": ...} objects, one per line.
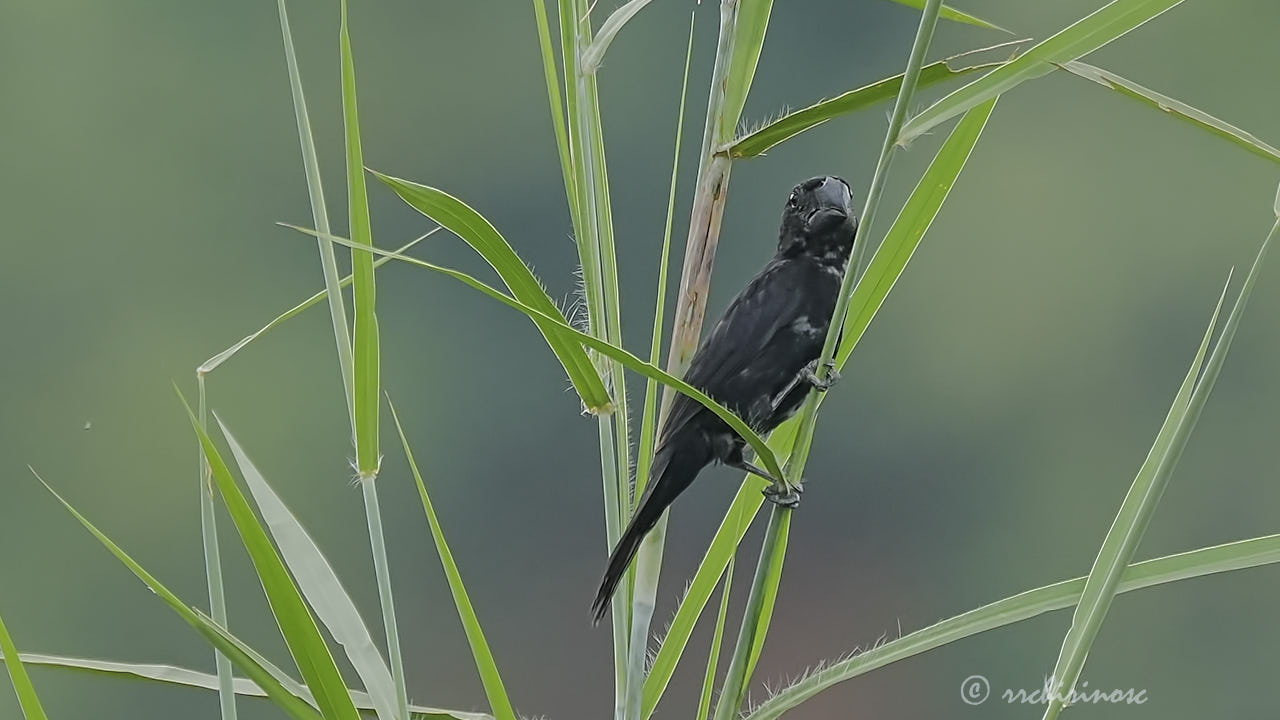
[
  {"x": 784, "y": 494},
  {"x": 810, "y": 374}
]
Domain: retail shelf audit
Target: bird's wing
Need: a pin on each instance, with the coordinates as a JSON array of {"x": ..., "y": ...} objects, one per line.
[{"x": 764, "y": 308}]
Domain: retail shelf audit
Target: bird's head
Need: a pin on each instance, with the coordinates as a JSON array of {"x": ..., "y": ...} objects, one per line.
[{"x": 818, "y": 221}]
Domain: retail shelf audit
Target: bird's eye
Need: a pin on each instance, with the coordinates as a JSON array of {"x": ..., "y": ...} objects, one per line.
[{"x": 792, "y": 201}]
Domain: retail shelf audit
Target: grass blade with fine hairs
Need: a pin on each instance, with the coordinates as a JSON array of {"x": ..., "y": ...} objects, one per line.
[
  {"x": 950, "y": 13},
  {"x": 788, "y": 126},
  {"x": 717, "y": 639},
  {"x": 1081, "y": 38},
  {"x": 368, "y": 362},
  {"x": 294, "y": 706},
  {"x": 320, "y": 584},
  {"x": 1176, "y": 108},
  {"x": 494, "y": 689},
  {"x": 1229, "y": 557},
  {"x": 764, "y": 584},
  {"x": 460, "y": 219},
  {"x": 298, "y": 627},
  {"x": 621, "y": 355},
  {"x": 26, "y": 692},
  {"x": 1139, "y": 504},
  {"x": 748, "y": 42},
  {"x": 648, "y": 561},
  {"x": 882, "y": 273}
]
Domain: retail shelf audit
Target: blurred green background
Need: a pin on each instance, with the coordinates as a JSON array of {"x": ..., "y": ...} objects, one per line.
[{"x": 987, "y": 429}]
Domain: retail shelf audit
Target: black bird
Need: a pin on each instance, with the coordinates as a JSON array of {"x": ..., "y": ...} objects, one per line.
[{"x": 759, "y": 361}]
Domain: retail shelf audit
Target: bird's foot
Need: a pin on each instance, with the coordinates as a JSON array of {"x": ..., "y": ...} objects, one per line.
[
  {"x": 785, "y": 495},
  {"x": 810, "y": 375}
]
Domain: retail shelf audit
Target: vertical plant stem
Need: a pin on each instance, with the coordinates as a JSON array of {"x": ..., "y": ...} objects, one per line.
[
  {"x": 756, "y": 617},
  {"x": 587, "y": 173},
  {"x": 213, "y": 567},
  {"x": 749, "y": 633},
  {"x": 382, "y": 571}
]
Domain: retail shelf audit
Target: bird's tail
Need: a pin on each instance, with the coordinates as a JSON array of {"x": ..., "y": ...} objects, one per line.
[{"x": 674, "y": 468}]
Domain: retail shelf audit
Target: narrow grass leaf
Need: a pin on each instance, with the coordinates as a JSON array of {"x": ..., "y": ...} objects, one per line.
[
  {"x": 367, "y": 361},
  {"x": 1229, "y": 557},
  {"x": 771, "y": 580},
  {"x": 1126, "y": 530},
  {"x": 717, "y": 639},
  {"x": 195, "y": 679},
  {"x": 319, "y": 584},
  {"x": 909, "y": 228},
  {"x": 594, "y": 54},
  {"x": 1176, "y": 108},
  {"x": 792, "y": 124},
  {"x": 320, "y": 214},
  {"x": 485, "y": 664},
  {"x": 287, "y": 605},
  {"x": 480, "y": 234},
  {"x": 950, "y": 13},
  {"x": 26, "y": 692},
  {"x": 1083, "y": 37},
  {"x": 216, "y": 636},
  {"x": 748, "y": 41},
  {"x": 552, "y": 78},
  {"x": 557, "y": 324},
  {"x": 1140, "y": 502}
]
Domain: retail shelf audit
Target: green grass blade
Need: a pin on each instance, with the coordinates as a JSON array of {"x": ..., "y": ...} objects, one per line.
[
  {"x": 485, "y": 664},
  {"x": 26, "y": 692},
  {"x": 320, "y": 214},
  {"x": 954, "y": 15},
  {"x": 556, "y": 324},
  {"x": 552, "y": 78},
  {"x": 1081, "y": 38},
  {"x": 748, "y": 41},
  {"x": 1023, "y": 606},
  {"x": 212, "y": 363},
  {"x": 1176, "y": 108},
  {"x": 647, "y": 567},
  {"x": 216, "y": 636},
  {"x": 212, "y": 551},
  {"x": 717, "y": 639},
  {"x": 367, "y": 364},
  {"x": 909, "y": 228},
  {"x": 594, "y": 53},
  {"x": 1126, "y": 530},
  {"x": 195, "y": 679},
  {"x": 319, "y": 584},
  {"x": 1139, "y": 504},
  {"x": 287, "y": 605},
  {"x": 480, "y": 234},
  {"x": 756, "y": 617},
  {"x": 788, "y": 126}
]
